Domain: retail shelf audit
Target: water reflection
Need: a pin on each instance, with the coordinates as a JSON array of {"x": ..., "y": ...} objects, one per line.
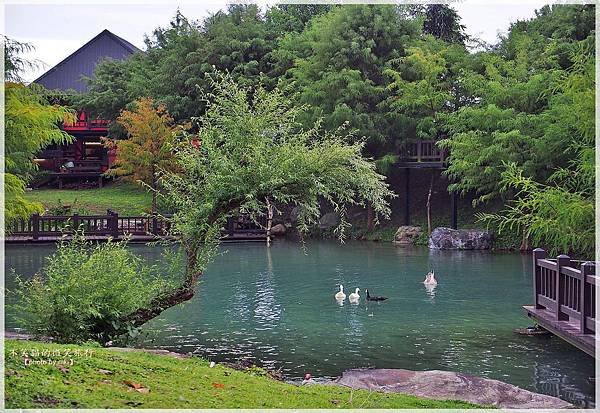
[
  {"x": 430, "y": 291},
  {"x": 267, "y": 310}
]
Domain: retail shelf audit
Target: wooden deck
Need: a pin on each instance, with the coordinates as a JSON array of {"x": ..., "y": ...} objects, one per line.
[
  {"x": 564, "y": 296},
  {"x": 567, "y": 330}
]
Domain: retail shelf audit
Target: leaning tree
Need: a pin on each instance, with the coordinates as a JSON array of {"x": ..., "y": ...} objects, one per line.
[{"x": 254, "y": 154}]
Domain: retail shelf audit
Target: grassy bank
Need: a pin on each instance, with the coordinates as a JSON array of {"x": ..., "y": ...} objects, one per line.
[
  {"x": 103, "y": 378},
  {"x": 124, "y": 198}
]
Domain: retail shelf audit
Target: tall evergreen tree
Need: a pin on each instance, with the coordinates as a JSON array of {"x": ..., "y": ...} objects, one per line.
[
  {"x": 339, "y": 64},
  {"x": 443, "y": 22}
]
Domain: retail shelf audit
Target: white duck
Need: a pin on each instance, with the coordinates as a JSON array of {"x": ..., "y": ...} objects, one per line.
[
  {"x": 354, "y": 297},
  {"x": 340, "y": 296},
  {"x": 430, "y": 278}
]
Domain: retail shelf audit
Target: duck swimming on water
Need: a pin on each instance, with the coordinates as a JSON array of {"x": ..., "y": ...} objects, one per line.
[
  {"x": 354, "y": 297},
  {"x": 374, "y": 298},
  {"x": 340, "y": 296},
  {"x": 430, "y": 278}
]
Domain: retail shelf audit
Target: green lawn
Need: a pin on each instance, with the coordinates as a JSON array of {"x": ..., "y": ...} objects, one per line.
[
  {"x": 124, "y": 198},
  {"x": 105, "y": 378}
]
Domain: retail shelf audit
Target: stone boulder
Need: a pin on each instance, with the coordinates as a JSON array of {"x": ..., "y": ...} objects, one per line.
[
  {"x": 294, "y": 214},
  {"x": 278, "y": 230},
  {"x": 407, "y": 235},
  {"x": 329, "y": 220},
  {"x": 462, "y": 239},
  {"x": 447, "y": 385}
]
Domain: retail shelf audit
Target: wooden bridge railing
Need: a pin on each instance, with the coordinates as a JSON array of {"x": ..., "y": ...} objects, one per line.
[
  {"x": 111, "y": 224},
  {"x": 422, "y": 151},
  {"x": 567, "y": 288}
]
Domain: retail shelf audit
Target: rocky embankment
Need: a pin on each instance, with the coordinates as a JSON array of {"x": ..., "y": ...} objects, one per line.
[{"x": 447, "y": 385}]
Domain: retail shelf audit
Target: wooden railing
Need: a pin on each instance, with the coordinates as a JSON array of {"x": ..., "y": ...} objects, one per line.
[
  {"x": 110, "y": 224},
  {"x": 113, "y": 225},
  {"x": 85, "y": 123},
  {"x": 244, "y": 225},
  {"x": 422, "y": 151},
  {"x": 566, "y": 288}
]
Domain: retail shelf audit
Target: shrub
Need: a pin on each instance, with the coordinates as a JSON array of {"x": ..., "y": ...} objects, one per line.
[{"x": 84, "y": 291}]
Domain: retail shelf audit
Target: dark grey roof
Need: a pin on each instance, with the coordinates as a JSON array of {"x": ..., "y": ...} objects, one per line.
[{"x": 68, "y": 73}]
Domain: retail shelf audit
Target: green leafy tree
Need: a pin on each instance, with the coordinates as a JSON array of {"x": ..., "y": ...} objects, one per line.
[
  {"x": 292, "y": 18},
  {"x": 31, "y": 124},
  {"x": 254, "y": 153},
  {"x": 169, "y": 71},
  {"x": 14, "y": 62},
  {"x": 172, "y": 69},
  {"x": 515, "y": 116},
  {"x": 443, "y": 22},
  {"x": 425, "y": 85},
  {"x": 337, "y": 66},
  {"x": 559, "y": 213}
]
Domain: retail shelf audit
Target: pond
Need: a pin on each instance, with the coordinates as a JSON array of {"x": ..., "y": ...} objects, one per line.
[{"x": 275, "y": 307}]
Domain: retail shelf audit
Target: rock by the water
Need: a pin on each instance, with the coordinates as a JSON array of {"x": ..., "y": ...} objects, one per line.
[
  {"x": 461, "y": 239},
  {"x": 278, "y": 229},
  {"x": 294, "y": 214},
  {"x": 407, "y": 235},
  {"x": 446, "y": 385},
  {"x": 329, "y": 220}
]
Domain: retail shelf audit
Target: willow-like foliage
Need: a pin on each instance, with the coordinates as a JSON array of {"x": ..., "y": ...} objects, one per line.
[
  {"x": 559, "y": 213},
  {"x": 31, "y": 124},
  {"x": 253, "y": 149}
]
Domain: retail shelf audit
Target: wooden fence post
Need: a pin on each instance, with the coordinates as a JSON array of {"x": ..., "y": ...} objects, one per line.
[
  {"x": 538, "y": 254},
  {"x": 75, "y": 221},
  {"x": 114, "y": 224},
  {"x": 587, "y": 268},
  {"x": 154, "y": 224},
  {"x": 35, "y": 225},
  {"x": 561, "y": 261}
]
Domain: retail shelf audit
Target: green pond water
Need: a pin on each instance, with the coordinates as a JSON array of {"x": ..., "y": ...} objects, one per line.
[{"x": 275, "y": 307}]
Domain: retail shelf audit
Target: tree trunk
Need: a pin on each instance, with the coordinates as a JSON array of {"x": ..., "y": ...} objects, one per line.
[
  {"x": 524, "y": 243},
  {"x": 269, "y": 220},
  {"x": 153, "y": 202},
  {"x": 429, "y": 204},
  {"x": 153, "y": 191},
  {"x": 370, "y": 223},
  {"x": 178, "y": 296},
  {"x": 193, "y": 273}
]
